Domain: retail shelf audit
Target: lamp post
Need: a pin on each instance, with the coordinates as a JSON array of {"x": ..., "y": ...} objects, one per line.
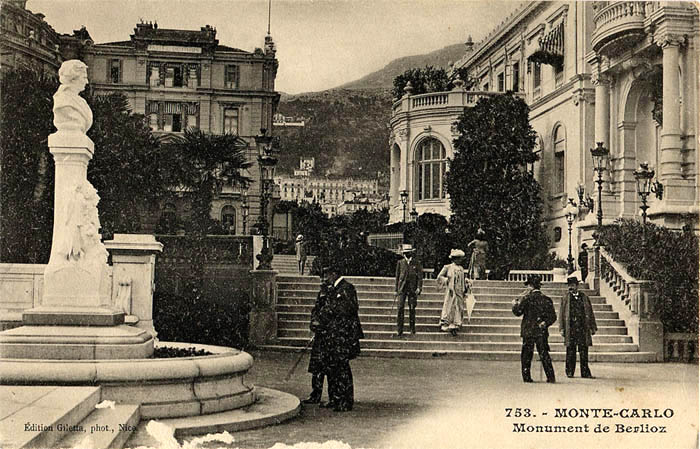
[
  {"x": 600, "y": 160},
  {"x": 570, "y": 215},
  {"x": 267, "y": 163},
  {"x": 404, "y": 201},
  {"x": 245, "y": 210},
  {"x": 643, "y": 175}
]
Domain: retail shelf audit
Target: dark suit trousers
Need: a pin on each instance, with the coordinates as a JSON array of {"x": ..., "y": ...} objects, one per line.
[
  {"x": 571, "y": 358},
  {"x": 526, "y": 356},
  {"x": 317, "y": 385},
  {"x": 412, "y": 301},
  {"x": 341, "y": 391}
]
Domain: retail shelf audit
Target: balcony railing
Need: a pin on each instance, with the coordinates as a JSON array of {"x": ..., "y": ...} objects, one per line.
[
  {"x": 616, "y": 19},
  {"x": 438, "y": 100}
]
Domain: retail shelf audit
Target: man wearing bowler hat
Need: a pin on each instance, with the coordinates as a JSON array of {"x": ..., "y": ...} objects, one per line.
[
  {"x": 409, "y": 283},
  {"x": 538, "y": 314},
  {"x": 577, "y": 325}
]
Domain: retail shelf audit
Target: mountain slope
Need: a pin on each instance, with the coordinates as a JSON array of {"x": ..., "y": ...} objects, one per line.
[{"x": 384, "y": 78}]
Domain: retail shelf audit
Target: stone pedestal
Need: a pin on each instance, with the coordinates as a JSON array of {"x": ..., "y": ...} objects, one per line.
[
  {"x": 262, "y": 327},
  {"x": 133, "y": 277}
]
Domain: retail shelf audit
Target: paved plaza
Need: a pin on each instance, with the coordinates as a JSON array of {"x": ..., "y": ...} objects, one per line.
[{"x": 403, "y": 403}]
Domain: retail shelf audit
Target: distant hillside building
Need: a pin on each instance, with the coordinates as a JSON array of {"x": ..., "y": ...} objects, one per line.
[
  {"x": 184, "y": 79},
  {"x": 282, "y": 120},
  {"x": 328, "y": 192},
  {"x": 306, "y": 167}
]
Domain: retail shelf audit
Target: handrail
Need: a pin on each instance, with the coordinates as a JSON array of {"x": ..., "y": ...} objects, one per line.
[{"x": 634, "y": 293}]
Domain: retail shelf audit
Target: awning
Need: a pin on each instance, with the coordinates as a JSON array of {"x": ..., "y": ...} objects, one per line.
[{"x": 551, "y": 47}]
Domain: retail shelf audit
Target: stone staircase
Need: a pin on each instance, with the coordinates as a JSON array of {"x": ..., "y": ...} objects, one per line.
[
  {"x": 63, "y": 416},
  {"x": 492, "y": 334},
  {"x": 287, "y": 264}
]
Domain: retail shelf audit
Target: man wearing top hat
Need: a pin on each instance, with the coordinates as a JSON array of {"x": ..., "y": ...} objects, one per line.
[
  {"x": 577, "y": 325},
  {"x": 409, "y": 284},
  {"x": 538, "y": 314},
  {"x": 583, "y": 262}
]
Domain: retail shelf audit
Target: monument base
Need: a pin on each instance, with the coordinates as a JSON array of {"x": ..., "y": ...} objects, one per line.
[
  {"x": 76, "y": 343},
  {"x": 72, "y": 316}
]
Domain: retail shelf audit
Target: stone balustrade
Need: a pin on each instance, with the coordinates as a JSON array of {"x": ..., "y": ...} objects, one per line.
[
  {"x": 438, "y": 100},
  {"x": 637, "y": 304},
  {"x": 618, "y": 18},
  {"x": 681, "y": 347}
]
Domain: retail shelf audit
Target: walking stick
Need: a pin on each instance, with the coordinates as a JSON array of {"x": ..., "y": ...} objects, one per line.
[{"x": 294, "y": 367}]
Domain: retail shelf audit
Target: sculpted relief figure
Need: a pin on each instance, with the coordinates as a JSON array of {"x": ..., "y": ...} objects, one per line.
[{"x": 71, "y": 112}]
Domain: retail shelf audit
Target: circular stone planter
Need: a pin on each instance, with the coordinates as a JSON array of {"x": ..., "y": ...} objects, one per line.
[{"x": 165, "y": 388}]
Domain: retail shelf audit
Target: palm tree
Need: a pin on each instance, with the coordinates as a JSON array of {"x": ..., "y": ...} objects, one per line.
[{"x": 202, "y": 163}]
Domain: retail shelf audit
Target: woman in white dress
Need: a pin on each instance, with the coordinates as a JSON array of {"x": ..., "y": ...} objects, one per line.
[{"x": 452, "y": 278}]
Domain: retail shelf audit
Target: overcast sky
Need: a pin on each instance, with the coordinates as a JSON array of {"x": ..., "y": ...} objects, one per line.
[{"x": 320, "y": 43}]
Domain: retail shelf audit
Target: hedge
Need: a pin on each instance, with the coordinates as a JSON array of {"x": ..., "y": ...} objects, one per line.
[
  {"x": 670, "y": 260},
  {"x": 357, "y": 259}
]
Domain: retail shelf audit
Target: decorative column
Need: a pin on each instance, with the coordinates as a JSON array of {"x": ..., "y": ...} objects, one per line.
[
  {"x": 671, "y": 158},
  {"x": 602, "y": 108}
]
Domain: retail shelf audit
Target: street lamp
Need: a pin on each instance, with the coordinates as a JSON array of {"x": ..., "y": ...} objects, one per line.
[
  {"x": 245, "y": 210},
  {"x": 570, "y": 215},
  {"x": 267, "y": 163},
  {"x": 600, "y": 160},
  {"x": 584, "y": 200},
  {"x": 643, "y": 175},
  {"x": 404, "y": 200},
  {"x": 414, "y": 215}
]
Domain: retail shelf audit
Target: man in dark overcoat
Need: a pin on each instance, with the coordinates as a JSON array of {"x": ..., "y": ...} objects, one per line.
[
  {"x": 316, "y": 359},
  {"x": 340, "y": 332},
  {"x": 538, "y": 314},
  {"x": 409, "y": 284},
  {"x": 577, "y": 325}
]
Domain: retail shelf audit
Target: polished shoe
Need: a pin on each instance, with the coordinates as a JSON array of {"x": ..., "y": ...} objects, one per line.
[
  {"x": 588, "y": 376},
  {"x": 342, "y": 408},
  {"x": 327, "y": 405},
  {"x": 528, "y": 381},
  {"x": 569, "y": 375},
  {"x": 312, "y": 400},
  {"x": 551, "y": 381},
  {"x": 398, "y": 335}
]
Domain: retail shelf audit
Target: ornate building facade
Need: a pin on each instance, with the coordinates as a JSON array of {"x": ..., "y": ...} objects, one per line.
[
  {"x": 183, "y": 79},
  {"x": 621, "y": 73}
]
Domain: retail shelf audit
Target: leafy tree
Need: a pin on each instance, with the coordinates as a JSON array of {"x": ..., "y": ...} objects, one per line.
[
  {"x": 129, "y": 169},
  {"x": 426, "y": 80},
  {"x": 26, "y": 167},
  {"x": 201, "y": 161},
  {"x": 489, "y": 184}
]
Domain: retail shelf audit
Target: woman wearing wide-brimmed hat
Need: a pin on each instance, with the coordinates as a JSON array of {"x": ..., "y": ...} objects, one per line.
[
  {"x": 301, "y": 253},
  {"x": 452, "y": 278}
]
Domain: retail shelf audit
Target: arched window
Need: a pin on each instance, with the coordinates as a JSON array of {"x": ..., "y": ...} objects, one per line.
[
  {"x": 228, "y": 219},
  {"x": 430, "y": 169},
  {"x": 559, "y": 160}
]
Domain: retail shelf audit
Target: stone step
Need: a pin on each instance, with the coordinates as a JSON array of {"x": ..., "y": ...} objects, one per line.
[
  {"x": 430, "y": 296},
  {"x": 601, "y": 357},
  {"x": 471, "y": 334},
  {"x": 387, "y": 309},
  {"x": 40, "y": 416},
  {"x": 303, "y": 327},
  {"x": 313, "y": 283},
  {"x": 453, "y": 343},
  {"x": 428, "y": 319},
  {"x": 106, "y": 428}
]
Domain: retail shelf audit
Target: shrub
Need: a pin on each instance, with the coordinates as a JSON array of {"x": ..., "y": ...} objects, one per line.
[
  {"x": 670, "y": 260},
  {"x": 191, "y": 318},
  {"x": 357, "y": 259}
]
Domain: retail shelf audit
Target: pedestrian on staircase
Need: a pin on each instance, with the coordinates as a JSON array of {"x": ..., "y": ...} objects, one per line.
[
  {"x": 300, "y": 246},
  {"x": 339, "y": 330},
  {"x": 452, "y": 278},
  {"x": 477, "y": 264},
  {"x": 577, "y": 325},
  {"x": 583, "y": 262},
  {"x": 538, "y": 314},
  {"x": 409, "y": 284}
]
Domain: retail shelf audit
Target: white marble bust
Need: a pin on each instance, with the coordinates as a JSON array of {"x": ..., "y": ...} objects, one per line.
[{"x": 71, "y": 112}]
